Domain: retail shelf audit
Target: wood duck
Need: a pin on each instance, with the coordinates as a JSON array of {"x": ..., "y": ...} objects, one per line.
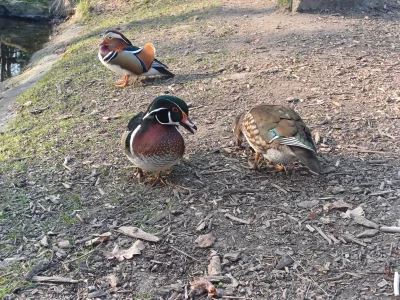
[
  {"x": 153, "y": 141},
  {"x": 118, "y": 54},
  {"x": 279, "y": 134}
]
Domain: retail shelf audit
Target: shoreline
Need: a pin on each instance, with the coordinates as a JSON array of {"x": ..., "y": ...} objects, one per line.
[{"x": 40, "y": 63}]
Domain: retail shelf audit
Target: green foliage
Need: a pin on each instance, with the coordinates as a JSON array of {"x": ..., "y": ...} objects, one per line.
[{"x": 287, "y": 4}]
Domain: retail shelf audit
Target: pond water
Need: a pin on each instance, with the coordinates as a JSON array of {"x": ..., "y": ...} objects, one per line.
[{"x": 19, "y": 39}]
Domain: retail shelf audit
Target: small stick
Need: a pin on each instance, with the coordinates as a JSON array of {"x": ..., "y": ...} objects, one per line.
[
  {"x": 233, "y": 191},
  {"x": 4, "y": 275},
  {"x": 54, "y": 279},
  {"x": 279, "y": 188},
  {"x": 184, "y": 253},
  {"x": 312, "y": 280},
  {"x": 396, "y": 284},
  {"x": 381, "y": 193},
  {"x": 237, "y": 219},
  {"x": 373, "y": 151},
  {"x": 79, "y": 257},
  {"x": 392, "y": 229},
  {"x": 323, "y": 234},
  {"x": 65, "y": 164},
  {"x": 351, "y": 238},
  {"x": 214, "y": 172},
  {"x": 233, "y": 297}
]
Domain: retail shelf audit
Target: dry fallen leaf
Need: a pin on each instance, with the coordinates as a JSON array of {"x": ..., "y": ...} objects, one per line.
[
  {"x": 100, "y": 239},
  {"x": 138, "y": 233},
  {"x": 205, "y": 240},
  {"x": 120, "y": 255},
  {"x": 200, "y": 283},
  {"x": 340, "y": 205},
  {"x": 112, "y": 280}
]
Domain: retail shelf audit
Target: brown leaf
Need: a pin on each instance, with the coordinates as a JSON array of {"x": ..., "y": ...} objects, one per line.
[
  {"x": 100, "y": 239},
  {"x": 205, "y": 240},
  {"x": 200, "y": 283},
  {"x": 312, "y": 215},
  {"x": 112, "y": 280},
  {"x": 120, "y": 255}
]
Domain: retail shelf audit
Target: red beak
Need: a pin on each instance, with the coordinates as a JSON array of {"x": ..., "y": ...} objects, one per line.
[{"x": 102, "y": 43}]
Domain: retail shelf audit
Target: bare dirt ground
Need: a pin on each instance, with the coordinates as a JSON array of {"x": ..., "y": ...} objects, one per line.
[{"x": 292, "y": 239}]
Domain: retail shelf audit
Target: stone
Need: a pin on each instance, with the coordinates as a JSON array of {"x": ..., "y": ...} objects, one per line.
[{"x": 64, "y": 244}]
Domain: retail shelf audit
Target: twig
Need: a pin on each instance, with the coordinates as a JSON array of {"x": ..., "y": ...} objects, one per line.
[
  {"x": 214, "y": 172},
  {"x": 233, "y": 297},
  {"x": 65, "y": 164},
  {"x": 279, "y": 188},
  {"x": 392, "y": 229},
  {"x": 237, "y": 219},
  {"x": 381, "y": 193},
  {"x": 79, "y": 257},
  {"x": 4, "y": 275},
  {"x": 372, "y": 151},
  {"x": 350, "y": 238},
  {"x": 236, "y": 190},
  {"x": 54, "y": 279},
  {"x": 323, "y": 234},
  {"x": 309, "y": 277},
  {"x": 396, "y": 284},
  {"x": 184, "y": 253}
]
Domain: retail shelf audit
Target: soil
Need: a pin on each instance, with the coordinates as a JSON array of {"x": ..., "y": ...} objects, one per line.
[{"x": 339, "y": 72}]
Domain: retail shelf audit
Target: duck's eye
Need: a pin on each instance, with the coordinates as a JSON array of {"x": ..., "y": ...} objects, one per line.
[
  {"x": 175, "y": 109},
  {"x": 110, "y": 37}
]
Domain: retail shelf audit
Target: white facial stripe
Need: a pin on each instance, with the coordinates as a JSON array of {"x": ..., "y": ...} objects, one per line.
[
  {"x": 118, "y": 36},
  {"x": 132, "y": 137},
  {"x": 169, "y": 123},
  {"x": 156, "y": 110}
]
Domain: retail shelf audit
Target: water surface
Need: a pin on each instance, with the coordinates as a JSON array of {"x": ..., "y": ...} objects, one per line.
[{"x": 19, "y": 39}]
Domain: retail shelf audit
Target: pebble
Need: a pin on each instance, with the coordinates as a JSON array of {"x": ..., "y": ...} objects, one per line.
[
  {"x": 44, "y": 241},
  {"x": 64, "y": 244},
  {"x": 337, "y": 190}
]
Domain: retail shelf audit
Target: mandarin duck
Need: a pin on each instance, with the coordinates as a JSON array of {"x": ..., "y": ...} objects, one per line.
[
  {"x": 118, "y": 54},
  {"x": 153, "y": 141},
  {"x": 279, "y": 134}
]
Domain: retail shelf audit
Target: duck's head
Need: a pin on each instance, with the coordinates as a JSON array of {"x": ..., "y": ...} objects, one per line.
[
  {"x": 170, "y": 110},
  {"x": 114, "y": 40}
]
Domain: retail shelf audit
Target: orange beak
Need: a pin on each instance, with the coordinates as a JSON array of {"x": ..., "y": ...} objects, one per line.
[{"x": 187, "y": 123}]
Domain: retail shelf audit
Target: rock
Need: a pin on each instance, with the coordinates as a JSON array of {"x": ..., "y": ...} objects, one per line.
[
  {"x": 39, "y": 267},
  {"x": 338, "y": 190},
  {"x": 368, "y": 233},
  {"x": 64, "y": 244},
  {"x": 286, "y": 260},
  {"x": 205, "y": 240},
  {"x": 232, "y": 256},
  {"x": 32, "y": 9},
  {"x": 308, "y": 204},
  {"x": 96, "y": 294},
  {"x": 44, "y": 241},
  {"x": 363, "y": 221}
]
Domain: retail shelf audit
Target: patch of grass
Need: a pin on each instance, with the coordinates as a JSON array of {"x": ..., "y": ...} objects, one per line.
[
  {"x": 286, "y": 4},
  {"x": 67, "y": 219}
]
